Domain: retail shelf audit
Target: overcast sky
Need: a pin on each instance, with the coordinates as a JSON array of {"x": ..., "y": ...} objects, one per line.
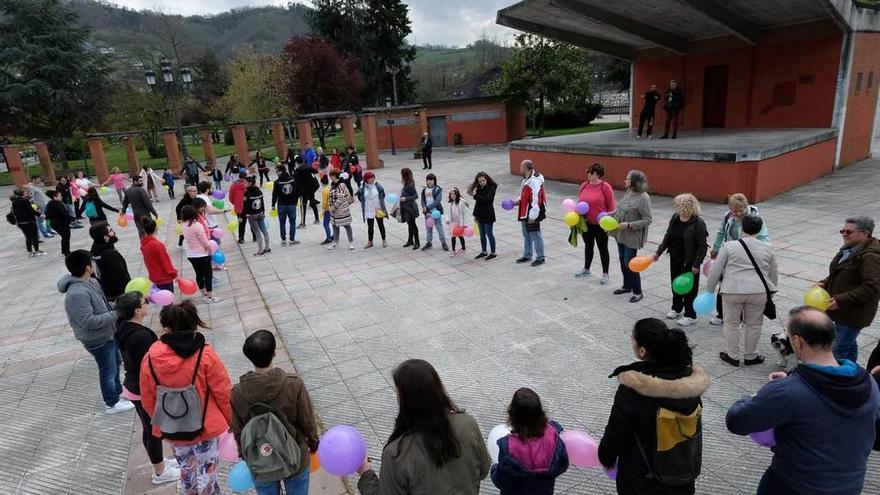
[{"x": 437, "y": 22}]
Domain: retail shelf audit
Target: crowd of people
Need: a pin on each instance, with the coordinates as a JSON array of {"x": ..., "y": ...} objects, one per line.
[{"x": 653, "y": 435}]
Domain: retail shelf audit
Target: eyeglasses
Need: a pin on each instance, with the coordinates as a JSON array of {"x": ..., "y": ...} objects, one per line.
[{"x": 849, "y": 232}]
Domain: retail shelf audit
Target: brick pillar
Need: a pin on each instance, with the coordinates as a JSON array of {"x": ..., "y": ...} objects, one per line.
[
  {"x": 172, "y": 150},
  {"x": 241, "y": 149},
  {"x": 134, "y": 164},
  {"x": 348, "y": 130},
  {"x": 304, "y": 131},
  {"x": 13, "y": 163},
  {"x": 423, "y": 121},
  {"x": 371, "y": 141},
  {"x": 46, "y": 162},
  {"x": 208, "y": 148},
  {"x": 278, "y": 136},
  {"x": 99, "y": 160}
]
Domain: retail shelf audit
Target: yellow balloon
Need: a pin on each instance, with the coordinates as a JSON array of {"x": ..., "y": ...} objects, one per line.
[
  {"x": 160, "y": 221},
  {"x": 232, "y": 225},
  {"x": 571, "y": 218},
  {"x": 476, "y": 228},
  {"x": 380, "y": 214},
  {"x": 179, "y": 229},
  {"x": 818, "y": 298},
  {"x": 608, "y": 223},
  {"x": 273, "y": 213},
  {"x": 270, "y": 185}
]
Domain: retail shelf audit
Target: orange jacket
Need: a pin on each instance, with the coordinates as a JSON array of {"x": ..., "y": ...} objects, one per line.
[{"x": 176, "y": 371}]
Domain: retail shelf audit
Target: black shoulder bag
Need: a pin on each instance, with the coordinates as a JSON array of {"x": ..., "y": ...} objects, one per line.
[{"x": 769, "y": 306}]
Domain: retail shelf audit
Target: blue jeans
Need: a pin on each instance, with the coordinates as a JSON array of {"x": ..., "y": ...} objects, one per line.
[
  {"x": 327, "y": 231},
  {"x": 631, "y": 279},
  {"x": 487, "y": 233},
  {"x": 846, "y": 344},
  {"x": 41, "y": 224},
  {"x": 286, "y": 212},
  {"x": 438, "y": 224},
  {"x": 169, "y": 287},
  {"x": 295, "y": 485},
  {"x": 109, "y": 359},
  {"x": 532, "y": 238}
]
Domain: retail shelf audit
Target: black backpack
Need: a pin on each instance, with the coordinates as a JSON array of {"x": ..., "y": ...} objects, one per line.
[{"x": 678, "y": 450}]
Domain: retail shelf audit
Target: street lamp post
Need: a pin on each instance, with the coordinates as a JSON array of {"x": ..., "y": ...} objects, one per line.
[
  {"x": 390, "y": 125},
  {"x": 170, "y": 87}
]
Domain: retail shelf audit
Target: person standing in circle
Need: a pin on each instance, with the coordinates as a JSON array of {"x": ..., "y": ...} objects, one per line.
[
  {"x": 372, "y": 198},
  {"x": 633, "y": 215},
  {"x": 255, "y": 211},
  {"x": 483, "y": 191},
  {"x": 532, "y": 210},
  {"x": 598, "y": 194},
  {"x": 409, "y": 209}
]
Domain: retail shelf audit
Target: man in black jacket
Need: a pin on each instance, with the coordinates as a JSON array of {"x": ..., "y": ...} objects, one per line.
[
  {"x": 427, "y": 146},
  {"x": 60, "y": 219},
  {"x": 651, "y": 98},
  {"x": 112, "y": 271},
  {"x": 673, "y": 105},
  {"x": 285, "y": 195}
]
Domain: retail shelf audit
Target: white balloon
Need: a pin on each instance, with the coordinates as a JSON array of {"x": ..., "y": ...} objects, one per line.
[{"x": 496, "y": 434}]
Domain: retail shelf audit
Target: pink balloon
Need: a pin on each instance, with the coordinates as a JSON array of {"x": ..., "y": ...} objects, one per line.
[
  {"x": 583, "y": 449},
  {"x": 218, "y": 233},
  {"x": 129, "y": 216},
  {"x": 468, "y": 232},
  {"x": 568, "y": 205},
  {"x": 213, "y": 246},
  {"x": 228, "y": 448},
  {"x": 429, "y": 222},
  {"x": 162, "y": 297},
  {"x": 707, "y": 265}
]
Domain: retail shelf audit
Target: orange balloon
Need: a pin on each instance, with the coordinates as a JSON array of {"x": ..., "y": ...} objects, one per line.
[
  {"x": 640, "y": 263},
  {"x": 316, "y": 462},
  {"x": 122, "y": 221}
]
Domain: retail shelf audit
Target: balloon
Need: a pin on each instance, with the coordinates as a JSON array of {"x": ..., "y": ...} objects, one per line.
[
  {"x": 228, "y": 448},
  {"x": 497, "y": 433},
  {"x": 704, "y": 303},
  {"x": 707, "y": 265},
  {"x": 160, "y": 221},
  {"x": 611, "y": 473},
  {"x": 583, "y": 450},
  {"x": 129, "y": 216},
  {"x": 122, "y": 221},
  {"x": 571, "y": 218},
  {"x": 240, "y": 478},
  {"x": 468, "y": 232},
  {"x": 277, "y": 159},
  {"x": 227, "y": 178},
  {"x": 213, "y": 246},
  {"x": 179, "y": 229},
  {"x": 232, "y": 226},
  {"x": 139, "y": 284},
  {"x": 818, "y": 298},
  {"x": 153, "y": 291},
  {"x": 766, "y": 438},
  {"x": 342, "y": 450},
  {"x": 218, "y": 194},
  {"x": 601, "y": 215},
  {"x": 458, "y": 231},
  {"x": 380, "y": 213},
  {"x": 218, "y": 233},
  {"x": 568, "y": 205},
  {"x": 219, "y": 257},
  {"x": 476, "y": 228},
  {"x": 582, "y": 208},
  {"x": 608, "y": 223},
  {"x": 683, "y": 283},
  {"x": 219, "y": 204},
  {"x": 165, "y": 186},
  {"x": 270, "y": 185},
  {"x": 316, "y": 462},
  {"x": 187, "y": 286},
  {"x": 391, "y": 198},
  {"x": 436, "y": 214},
  {"x": 429, "y": 222},
  {"x": 507, "y": 204},
  {"x": 104, "y": 190},
  {"x": 273, "y": 213},
  {"x": 640, "y": 263},
  {"x": 162, "y": 297}
]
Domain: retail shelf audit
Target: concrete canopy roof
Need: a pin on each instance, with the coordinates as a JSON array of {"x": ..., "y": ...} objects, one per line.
[{"x": 620, "y": 27}]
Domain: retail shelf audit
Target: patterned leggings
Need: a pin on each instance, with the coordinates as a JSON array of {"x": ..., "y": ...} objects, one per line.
[{"x": 198, "y": 467}]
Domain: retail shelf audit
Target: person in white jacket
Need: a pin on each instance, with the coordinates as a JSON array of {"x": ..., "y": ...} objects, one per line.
[
  {"x": 532, "y": 210},
  {"x": 152, "y": 182},
  {"x": 459, "y": 218}
]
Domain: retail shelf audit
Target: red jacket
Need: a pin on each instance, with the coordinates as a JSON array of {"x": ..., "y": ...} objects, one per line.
[
  {"x": 236, "y": 195},
  {"x": 159, "y": 265},
  {"x": 177, "y": 372}
]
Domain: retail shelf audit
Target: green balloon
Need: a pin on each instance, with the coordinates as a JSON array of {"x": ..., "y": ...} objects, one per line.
[
  {"x": 683, "y": 283},
  {"x": 219, "y": 204},
  {"x": 138, "y": 284}
]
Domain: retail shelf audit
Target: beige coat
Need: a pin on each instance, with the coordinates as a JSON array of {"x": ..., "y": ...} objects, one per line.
[{"x": 734, "y": 270}]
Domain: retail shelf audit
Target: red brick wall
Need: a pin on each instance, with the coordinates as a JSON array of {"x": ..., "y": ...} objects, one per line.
[
  {"x": 861, "y": 103},
  {"x": 516, "y": 122}
]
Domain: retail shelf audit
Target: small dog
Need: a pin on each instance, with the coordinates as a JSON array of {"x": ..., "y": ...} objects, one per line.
[{"x": 787, "y": 360}]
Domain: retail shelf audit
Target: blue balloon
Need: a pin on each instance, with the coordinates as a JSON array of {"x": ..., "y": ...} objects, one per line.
[
  {"x": 436, "y": 214},
  {"x": 219, "y": 257},
  {"x": 704, "y": 303},
  {"x": 391, "y": 198},
  {"x": 240, "y": 478}
]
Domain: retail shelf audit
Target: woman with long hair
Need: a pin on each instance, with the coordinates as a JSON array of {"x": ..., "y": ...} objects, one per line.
[
  {"x": 262, "y": 166},
  {"x": 409, "y": 209},
  {"x": 198, "y": 250},
  {"x": 483, "y": 191},
  {"x": 93, "y": 206},
  {"x": 435, "y": 446},
  {"x": 658, "y": 405}
]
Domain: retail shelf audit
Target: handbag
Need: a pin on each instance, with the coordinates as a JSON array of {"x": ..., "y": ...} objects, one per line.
[{"x": 769, "y": 306}]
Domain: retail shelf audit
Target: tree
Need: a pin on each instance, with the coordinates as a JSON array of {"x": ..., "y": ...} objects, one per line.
[
  {"x": 210, "y": 82},
  {"x": 341, "y": 22},
  {"x": 544, "y": 72},
  {"x": 387, "y": 56},
  {"x": 52, "y": 84},
  {"x": 319, "y": 79},
  {"x": 255, "y": 88}
]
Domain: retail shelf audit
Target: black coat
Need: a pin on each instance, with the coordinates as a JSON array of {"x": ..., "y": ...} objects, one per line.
[
  {"x": 99, "y": 208},
  {"x": 674, "y": 100},
  {"x": 484, "y": 209},
  {"x": 695, "y": 246},
  {"x": 23, "y": 211},
  {"x": 112, "y": 269},
  {"x": 133, "y": 341},
  {"x": 58, "y": 215},
  {"x": 643, "y": 387}
]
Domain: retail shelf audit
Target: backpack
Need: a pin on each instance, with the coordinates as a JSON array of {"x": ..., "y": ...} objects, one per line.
[
  {"x": 267, "y": 446},
  {"x": 678, "y": 451},
  {"x": 90, "y": 210},
  {"x": 179, "y": 414},
  {"x": 10, "y": 217}
]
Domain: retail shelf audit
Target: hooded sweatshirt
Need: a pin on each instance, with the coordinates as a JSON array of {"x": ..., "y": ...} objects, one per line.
[
  {"x": 823, "y": 420},
  {"x": 530, "y": 467},
  {"x": 286, "y": 394},
  {"x": 88, "y": 312},
  {"x": 134, "y": 341},
  {"x": 159, "y": 266},
  {"x": 236, "y": 195},
  {"x": 174, "y": 359},
  {"x": 532, "y": 199},
  {"x": 285, "y": 192},
  {"x": 111, "y": 269}
]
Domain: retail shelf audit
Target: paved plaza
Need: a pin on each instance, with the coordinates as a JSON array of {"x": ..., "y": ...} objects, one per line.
[{"x": 346, "y": 318}]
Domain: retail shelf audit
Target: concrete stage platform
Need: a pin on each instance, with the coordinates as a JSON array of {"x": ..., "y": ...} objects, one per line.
[{"x": 711, "y": 163}]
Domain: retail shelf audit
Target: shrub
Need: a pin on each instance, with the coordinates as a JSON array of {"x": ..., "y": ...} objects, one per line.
[{"x": 561, "y": 117}]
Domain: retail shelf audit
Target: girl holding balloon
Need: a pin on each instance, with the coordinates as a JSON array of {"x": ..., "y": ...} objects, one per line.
[
  {"x": 633, "y": 216},
  {"x": 198, "y": 248},
  {"x": 599, "y": 197},
  {"x": 409, "y": 209},
  {"x": 685, "y": 239},
  {"x": 483, "y": 191},
  {"x": 458, "y": 218},
  {"x": 662, "y": 383}
]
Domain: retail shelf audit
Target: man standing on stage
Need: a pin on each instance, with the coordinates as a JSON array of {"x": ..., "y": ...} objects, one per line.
[
  {"x": 651, "y": 98},
  {"x": 674, "y": 104}
]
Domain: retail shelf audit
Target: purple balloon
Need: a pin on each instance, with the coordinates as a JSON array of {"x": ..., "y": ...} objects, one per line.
[
  {"x": 766, "y": 438},
  {"x": 583, "y": 207},
  {"x": 611, "y": 473},
  {"x": 227, "y": 178},
  {"x": 601, "y": 214},
  {"x": 342, "y": 450},
  {"x": 218, "y": 194},
  {"x": 507, "y": 204}
]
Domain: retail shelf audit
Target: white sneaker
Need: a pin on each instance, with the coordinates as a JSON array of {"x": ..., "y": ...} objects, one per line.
[
  {"x": 169, "y": 475},
  {"x": 171, "y": 462},
  {"x": 605, "y": 279},
  {"x": 212, "y": 300},
  {"x": 673, "y": 314},
  {"x": 121, "y": 406},
  {"x": 716, "y": 321},
  {"x": 351, "y": 246},
  {"x": 685, "y": 321},
  {"x": 331, "y": 247}
]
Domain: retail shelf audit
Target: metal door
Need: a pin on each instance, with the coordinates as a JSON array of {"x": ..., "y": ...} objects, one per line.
[{"x": 437, "y": 126}]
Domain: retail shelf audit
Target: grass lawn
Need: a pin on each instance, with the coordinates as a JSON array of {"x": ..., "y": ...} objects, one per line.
[{"x": 604, "y": 126}]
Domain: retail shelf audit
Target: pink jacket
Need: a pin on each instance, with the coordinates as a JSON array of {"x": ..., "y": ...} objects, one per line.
[{"x": 196, "y": 238}]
